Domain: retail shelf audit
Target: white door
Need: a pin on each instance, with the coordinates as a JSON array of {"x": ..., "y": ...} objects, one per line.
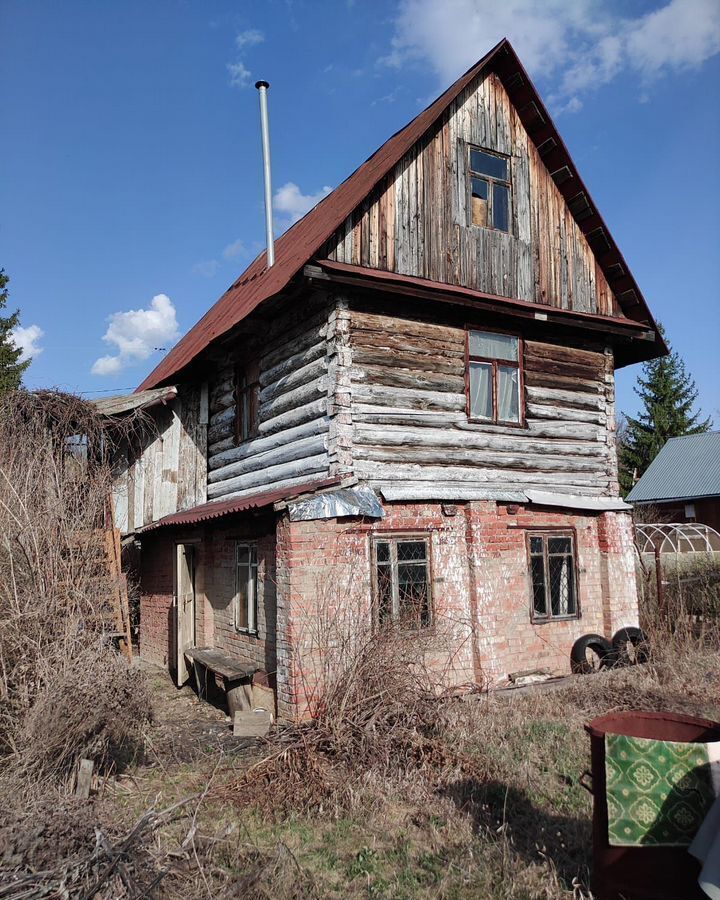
[{"x": 184, "y": 608}]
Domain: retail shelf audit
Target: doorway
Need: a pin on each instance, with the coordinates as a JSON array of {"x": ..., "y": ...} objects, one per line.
[{"x": 184, "y": 608}]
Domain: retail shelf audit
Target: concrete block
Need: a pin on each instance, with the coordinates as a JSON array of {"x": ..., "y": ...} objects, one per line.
[{"x": 252, "y": 723}]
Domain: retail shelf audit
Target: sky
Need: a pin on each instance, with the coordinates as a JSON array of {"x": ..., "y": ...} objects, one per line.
[{"x": 131, "y": 174}]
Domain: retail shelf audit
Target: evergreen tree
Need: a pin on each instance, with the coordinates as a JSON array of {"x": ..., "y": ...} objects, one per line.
[
  {"x": 668, "y": 395},
  {"x": 11, "y": 369}
]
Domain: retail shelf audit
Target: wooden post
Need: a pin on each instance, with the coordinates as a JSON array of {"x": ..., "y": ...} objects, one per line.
[
  {"x": 84, "y": 778},
  {"x": 660, "y": 584}
]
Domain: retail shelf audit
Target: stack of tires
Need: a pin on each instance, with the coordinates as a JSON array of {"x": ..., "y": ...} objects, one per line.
[{"x": 593, "y": 652}]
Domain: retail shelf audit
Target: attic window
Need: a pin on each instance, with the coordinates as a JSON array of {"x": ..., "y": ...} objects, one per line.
[{"x": 490, "y": 191}]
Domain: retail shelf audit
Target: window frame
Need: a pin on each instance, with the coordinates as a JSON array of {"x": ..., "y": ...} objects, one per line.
[
  {"x": 546, "y": 533},
  {"x": 393, "y": 538},
  {"x": 246, "y": 388},
  {"x": 521, "y": 423},
  {"x": 252, "y": 609},
  {"x": 491, "y": 180}
]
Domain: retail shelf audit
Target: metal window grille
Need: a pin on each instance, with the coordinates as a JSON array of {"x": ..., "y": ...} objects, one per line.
[
  {"x": 403, "y": 582},
  {"x": 552, "y": 574}
]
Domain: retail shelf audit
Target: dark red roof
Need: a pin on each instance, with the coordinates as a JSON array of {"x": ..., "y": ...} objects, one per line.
[
  {"x": 301, "y": 242},
  {"x": 217, "y": 508}
]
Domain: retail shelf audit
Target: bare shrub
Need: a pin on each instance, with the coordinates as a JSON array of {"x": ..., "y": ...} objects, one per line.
[{"x": 63, "y": 692}]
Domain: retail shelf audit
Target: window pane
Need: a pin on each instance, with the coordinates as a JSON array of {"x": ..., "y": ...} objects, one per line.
[
  {"x": 408, "y": 551},
  {"x": 384, "y": 585},
  {"x": 382, "y": 548},
  {"x": 413, "y": 593},
  {"x": 561, "y": 585},
  {"x": 501, "y": 207},
  {"x": 538, "y": 583},
  {"x": 242, "y": 598},
  {"x": 508, "y": 394},
  {"x": 487, "y": 164},
  {"x": 481, "y": 390},
  {"x": 536, "y": 545},
  {"x": 493, "y": 346},
  {"x": 479, "y": 202},
  {"x": 559, "y": 545}
]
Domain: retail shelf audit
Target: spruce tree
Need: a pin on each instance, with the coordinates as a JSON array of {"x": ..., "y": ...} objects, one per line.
[
  {"x": 11, "y": 369},
  {"x": 668, "y": 395}
]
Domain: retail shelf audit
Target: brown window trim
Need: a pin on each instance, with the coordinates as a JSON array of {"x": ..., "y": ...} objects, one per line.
[
  {"x": 392, "y": 536},
  {"x": 471, "y": 173},
  {"x": 521, "y": 423},
  {"x": 545, "y": 532},
  {"x": 247, "y": 383}
]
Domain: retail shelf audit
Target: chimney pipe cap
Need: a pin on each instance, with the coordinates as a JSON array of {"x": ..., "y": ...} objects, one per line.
[{"x": 262, "y": 84}]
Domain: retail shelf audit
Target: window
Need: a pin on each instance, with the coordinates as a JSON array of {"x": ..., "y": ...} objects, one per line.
[
  {"x": 247, "y": 388},
  {"x": 402, "y": 567},
  {"x": 490, "y": 192},
  {"x": 552, "y": 571},
  {"x": 493, "y": 377},
  {"x": 246, "y": 577}
]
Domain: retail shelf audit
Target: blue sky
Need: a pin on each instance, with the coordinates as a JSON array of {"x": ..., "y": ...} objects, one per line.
[{"x": 131, "y": 176}]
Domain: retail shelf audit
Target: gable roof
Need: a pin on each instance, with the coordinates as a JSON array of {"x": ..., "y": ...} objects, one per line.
[
  {"x": 686, "y": 468},
  {"x": 305, "y": 238}
]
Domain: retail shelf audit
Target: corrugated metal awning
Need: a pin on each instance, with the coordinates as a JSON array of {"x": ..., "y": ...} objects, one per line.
[{"x": 218, "y": 508}]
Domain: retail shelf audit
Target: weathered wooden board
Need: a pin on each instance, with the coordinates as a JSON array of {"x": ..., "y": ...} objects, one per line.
[{"x": 417, "y": 222}]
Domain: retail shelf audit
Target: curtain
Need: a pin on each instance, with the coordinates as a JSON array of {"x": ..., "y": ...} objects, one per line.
[
  {"x": 481, "y": 390},
  {"x": 508, "y": 394}
]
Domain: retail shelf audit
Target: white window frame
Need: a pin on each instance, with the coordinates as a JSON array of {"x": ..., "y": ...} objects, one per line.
[{"x": 250, "y": 574}]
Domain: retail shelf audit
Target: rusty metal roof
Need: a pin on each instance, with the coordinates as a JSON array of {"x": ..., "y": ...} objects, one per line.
[
  {"x": 218, "y": 508},
  {"x": 300, "y": 243}
]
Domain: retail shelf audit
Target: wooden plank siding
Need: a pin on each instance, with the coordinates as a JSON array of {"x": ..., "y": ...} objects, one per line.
[
  {"x": 164, "y": 470},
  {"x": 410, "y": 423},
  {"x": 418, "y": 223}
]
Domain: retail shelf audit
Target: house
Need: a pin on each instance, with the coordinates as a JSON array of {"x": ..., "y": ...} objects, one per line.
[
  {"x": 408, "y": 418},
  {"x": 683, "y": 481}
]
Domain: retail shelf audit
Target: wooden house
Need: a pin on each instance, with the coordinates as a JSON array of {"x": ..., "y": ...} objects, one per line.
[{"x": 409, "y": 418}]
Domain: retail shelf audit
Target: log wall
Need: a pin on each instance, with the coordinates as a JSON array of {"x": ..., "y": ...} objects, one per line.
[
  {"x": 409, "y": 422},
  {"x": 297, "y": 438},
  {"x": 418, "y": 221}
]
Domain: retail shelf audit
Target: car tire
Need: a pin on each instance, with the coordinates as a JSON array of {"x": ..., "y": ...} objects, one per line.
[
  {"x": 630, "y": 646},
  {"x": 590, "y": 653}
]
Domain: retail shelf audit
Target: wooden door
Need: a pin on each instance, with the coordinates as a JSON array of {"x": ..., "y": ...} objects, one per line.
[{"x": 184, "y": 608}]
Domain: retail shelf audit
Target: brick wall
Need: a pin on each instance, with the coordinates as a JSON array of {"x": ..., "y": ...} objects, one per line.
[
  {"x": 214, "y": 592},
  {"x": 480, "y": 585}
]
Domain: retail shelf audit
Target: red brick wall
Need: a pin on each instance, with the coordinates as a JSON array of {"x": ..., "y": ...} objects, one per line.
[
  {"x": 214, "y": 592},
  {"x": 481, "y": 590}
]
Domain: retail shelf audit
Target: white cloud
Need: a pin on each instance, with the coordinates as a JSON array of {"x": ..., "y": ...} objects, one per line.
[
  {"x": 576, "y": 45},
  {"x": 292, "y": 204},
  {"x": 249, "y": 38},
  {"x": 239, "y": 74},
  {"x": 207, "y": 268},
  {"x": 232, "y": 251},
  {"x": 137, "y": 333},
  {"x": 25, "y": 339}
]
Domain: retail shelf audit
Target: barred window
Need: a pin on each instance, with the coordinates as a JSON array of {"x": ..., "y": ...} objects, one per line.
[
  {"x": 552, "y": 572},
  {"x": 246, "y": 578},
  {"x": 402, "y": 581}
]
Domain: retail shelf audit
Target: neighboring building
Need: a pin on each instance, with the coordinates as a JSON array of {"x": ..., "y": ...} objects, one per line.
[
  {"x": 409, "y": 417},
  {"x": 683, "y": 481}
]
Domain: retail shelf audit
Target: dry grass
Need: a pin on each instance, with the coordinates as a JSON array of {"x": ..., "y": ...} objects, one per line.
[{"x": 63, "y": 691}]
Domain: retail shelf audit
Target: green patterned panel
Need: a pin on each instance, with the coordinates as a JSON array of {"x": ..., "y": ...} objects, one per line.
[{"x": 658, "y": 792}]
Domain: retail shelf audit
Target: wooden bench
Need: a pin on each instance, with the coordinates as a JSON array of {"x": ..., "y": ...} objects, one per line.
[{"x": 236, "y": 680}]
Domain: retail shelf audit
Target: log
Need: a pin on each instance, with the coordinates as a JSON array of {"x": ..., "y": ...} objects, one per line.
[
  {"x": 309, "y": 446},
  {"x": 268, "y": 477},
  {"x": 273, "y": 441}
]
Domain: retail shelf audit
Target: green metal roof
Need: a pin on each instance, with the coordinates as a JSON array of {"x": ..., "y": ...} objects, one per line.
[{"x": 686, "y": 468}]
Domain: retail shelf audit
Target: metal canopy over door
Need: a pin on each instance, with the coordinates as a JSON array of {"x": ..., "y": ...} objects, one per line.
[{"x": 184, "y": 608}]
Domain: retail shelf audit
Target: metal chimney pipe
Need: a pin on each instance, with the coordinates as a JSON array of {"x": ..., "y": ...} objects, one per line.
[{"x": 262, "y": 87}]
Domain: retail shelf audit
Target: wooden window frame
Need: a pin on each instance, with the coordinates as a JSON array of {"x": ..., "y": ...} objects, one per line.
[
  {"x": 247, "y": 388},
  {"x": 547, "y": 532},
  {"x": 252, "y": 610},
  {"x": 393, "y": 537},
  {"x": 491, "y": 180},
  {"x": 519, "y": 364}
]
